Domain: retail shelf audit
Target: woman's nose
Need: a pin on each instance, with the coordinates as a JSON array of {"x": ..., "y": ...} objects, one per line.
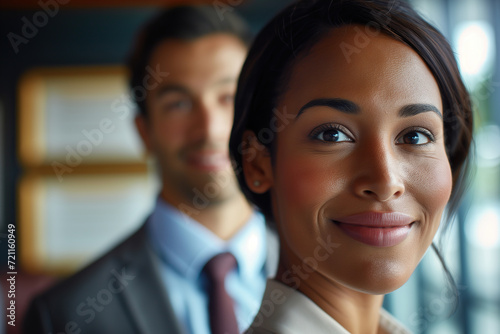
[{"x": 380, "y": 174}]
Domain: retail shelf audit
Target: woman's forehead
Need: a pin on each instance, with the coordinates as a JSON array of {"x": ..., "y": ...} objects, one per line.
[{"x": 351, "y": 62}]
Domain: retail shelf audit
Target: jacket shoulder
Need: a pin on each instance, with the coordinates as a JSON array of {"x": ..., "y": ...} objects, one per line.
[
  {"x": 102, "y": 267},
  {"x": 75, "y": 301}
]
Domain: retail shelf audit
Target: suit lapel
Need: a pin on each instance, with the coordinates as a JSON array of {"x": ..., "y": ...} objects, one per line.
[{"x": 145, "y": 297}]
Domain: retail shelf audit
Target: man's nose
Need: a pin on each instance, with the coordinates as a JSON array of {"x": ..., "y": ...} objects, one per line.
[
  {"x": 211, "y": 123},
  {"x": 380, "y": 174}
]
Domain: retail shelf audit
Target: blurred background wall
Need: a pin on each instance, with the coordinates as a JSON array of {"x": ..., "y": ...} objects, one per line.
[{"x": 61, "y": 76}]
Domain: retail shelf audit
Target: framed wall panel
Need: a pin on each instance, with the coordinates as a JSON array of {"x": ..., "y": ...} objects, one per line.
[
  {"x": 64, "y": 225},
  {"x": 86, "y": 182},
  {"x": 76, "y": 116}
]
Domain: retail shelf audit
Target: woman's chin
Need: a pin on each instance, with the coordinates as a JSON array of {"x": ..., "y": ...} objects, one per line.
[
  {"x": 377, "y": 279},
  {"x": 381, "y": 288}
]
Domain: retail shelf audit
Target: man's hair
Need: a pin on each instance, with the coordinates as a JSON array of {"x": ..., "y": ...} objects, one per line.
[{"x": 184, "y": 23}]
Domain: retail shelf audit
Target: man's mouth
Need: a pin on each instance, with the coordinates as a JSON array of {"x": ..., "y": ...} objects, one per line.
[{"x": 209, "y": 160}]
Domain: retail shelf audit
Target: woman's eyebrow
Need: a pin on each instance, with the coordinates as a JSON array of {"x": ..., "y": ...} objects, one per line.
[
  {"x": 342, "y": 105},
  {"x": 417, "y": 108},
  {"x": 350, "y": 107}
]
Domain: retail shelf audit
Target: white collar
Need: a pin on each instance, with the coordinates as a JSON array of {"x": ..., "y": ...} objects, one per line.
[
  {"x": 186, "y": 245},
  {"x": 287, "y": 311}
]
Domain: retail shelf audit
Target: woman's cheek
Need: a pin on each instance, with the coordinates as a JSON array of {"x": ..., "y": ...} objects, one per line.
[
  {"x": 433, "y": 190},
  {"x": 301, "y": 183},
  {"x": 299, "y": 194},
  {"x": 441, "y": 182}
]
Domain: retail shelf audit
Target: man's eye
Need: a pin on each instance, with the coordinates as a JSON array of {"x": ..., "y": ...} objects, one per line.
[
  {"x": 227, "y": 99},
  {"x": 332, "y": 135},
  {"x": 179, "y": 105},
  {"x": 415, "y": 138}
]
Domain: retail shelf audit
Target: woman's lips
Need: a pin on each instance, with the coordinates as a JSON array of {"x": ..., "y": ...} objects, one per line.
[{"x": 377, "y": 229}]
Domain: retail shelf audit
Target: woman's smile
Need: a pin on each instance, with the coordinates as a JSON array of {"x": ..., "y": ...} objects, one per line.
[{"x": 380, "y": 229}]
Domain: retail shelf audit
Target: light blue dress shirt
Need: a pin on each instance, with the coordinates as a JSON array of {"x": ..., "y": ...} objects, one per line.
[{"x": 185, "y": 246}]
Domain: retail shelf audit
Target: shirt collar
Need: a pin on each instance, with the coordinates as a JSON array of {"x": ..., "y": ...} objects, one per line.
[
  {"x": 295, "y": 313},
  {"x": 187, "y": 245},
  {"x": 249, "y": 246}
]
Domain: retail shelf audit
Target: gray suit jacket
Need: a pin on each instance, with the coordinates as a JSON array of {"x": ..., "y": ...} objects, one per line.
[{"x": 122, "y": 292}]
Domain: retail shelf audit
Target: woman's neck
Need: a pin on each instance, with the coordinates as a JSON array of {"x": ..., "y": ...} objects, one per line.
[{"x": 357, "y": 312}]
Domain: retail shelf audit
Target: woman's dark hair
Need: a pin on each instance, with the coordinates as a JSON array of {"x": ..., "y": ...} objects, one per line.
[
  {"x": 298, "y": 28},
  {"x": 185, "y": 23}
]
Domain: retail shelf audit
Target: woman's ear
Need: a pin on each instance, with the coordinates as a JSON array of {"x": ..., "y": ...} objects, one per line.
[{"x": 257, "y": 167}]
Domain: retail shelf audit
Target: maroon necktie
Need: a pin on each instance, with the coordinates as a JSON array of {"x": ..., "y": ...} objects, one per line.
[{"x": 220, "y": 307}]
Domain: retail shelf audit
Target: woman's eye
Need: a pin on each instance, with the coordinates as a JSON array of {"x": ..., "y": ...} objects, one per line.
[
  {"x": 332, "y": 135},
  {"x": 414, "y": 138}
]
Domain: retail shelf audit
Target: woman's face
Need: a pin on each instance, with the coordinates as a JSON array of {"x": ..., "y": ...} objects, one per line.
[{"x": 362, "y": 162}]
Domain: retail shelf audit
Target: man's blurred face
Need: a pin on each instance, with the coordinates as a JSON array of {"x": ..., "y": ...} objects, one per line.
[{"x": 190, "y": 116}]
